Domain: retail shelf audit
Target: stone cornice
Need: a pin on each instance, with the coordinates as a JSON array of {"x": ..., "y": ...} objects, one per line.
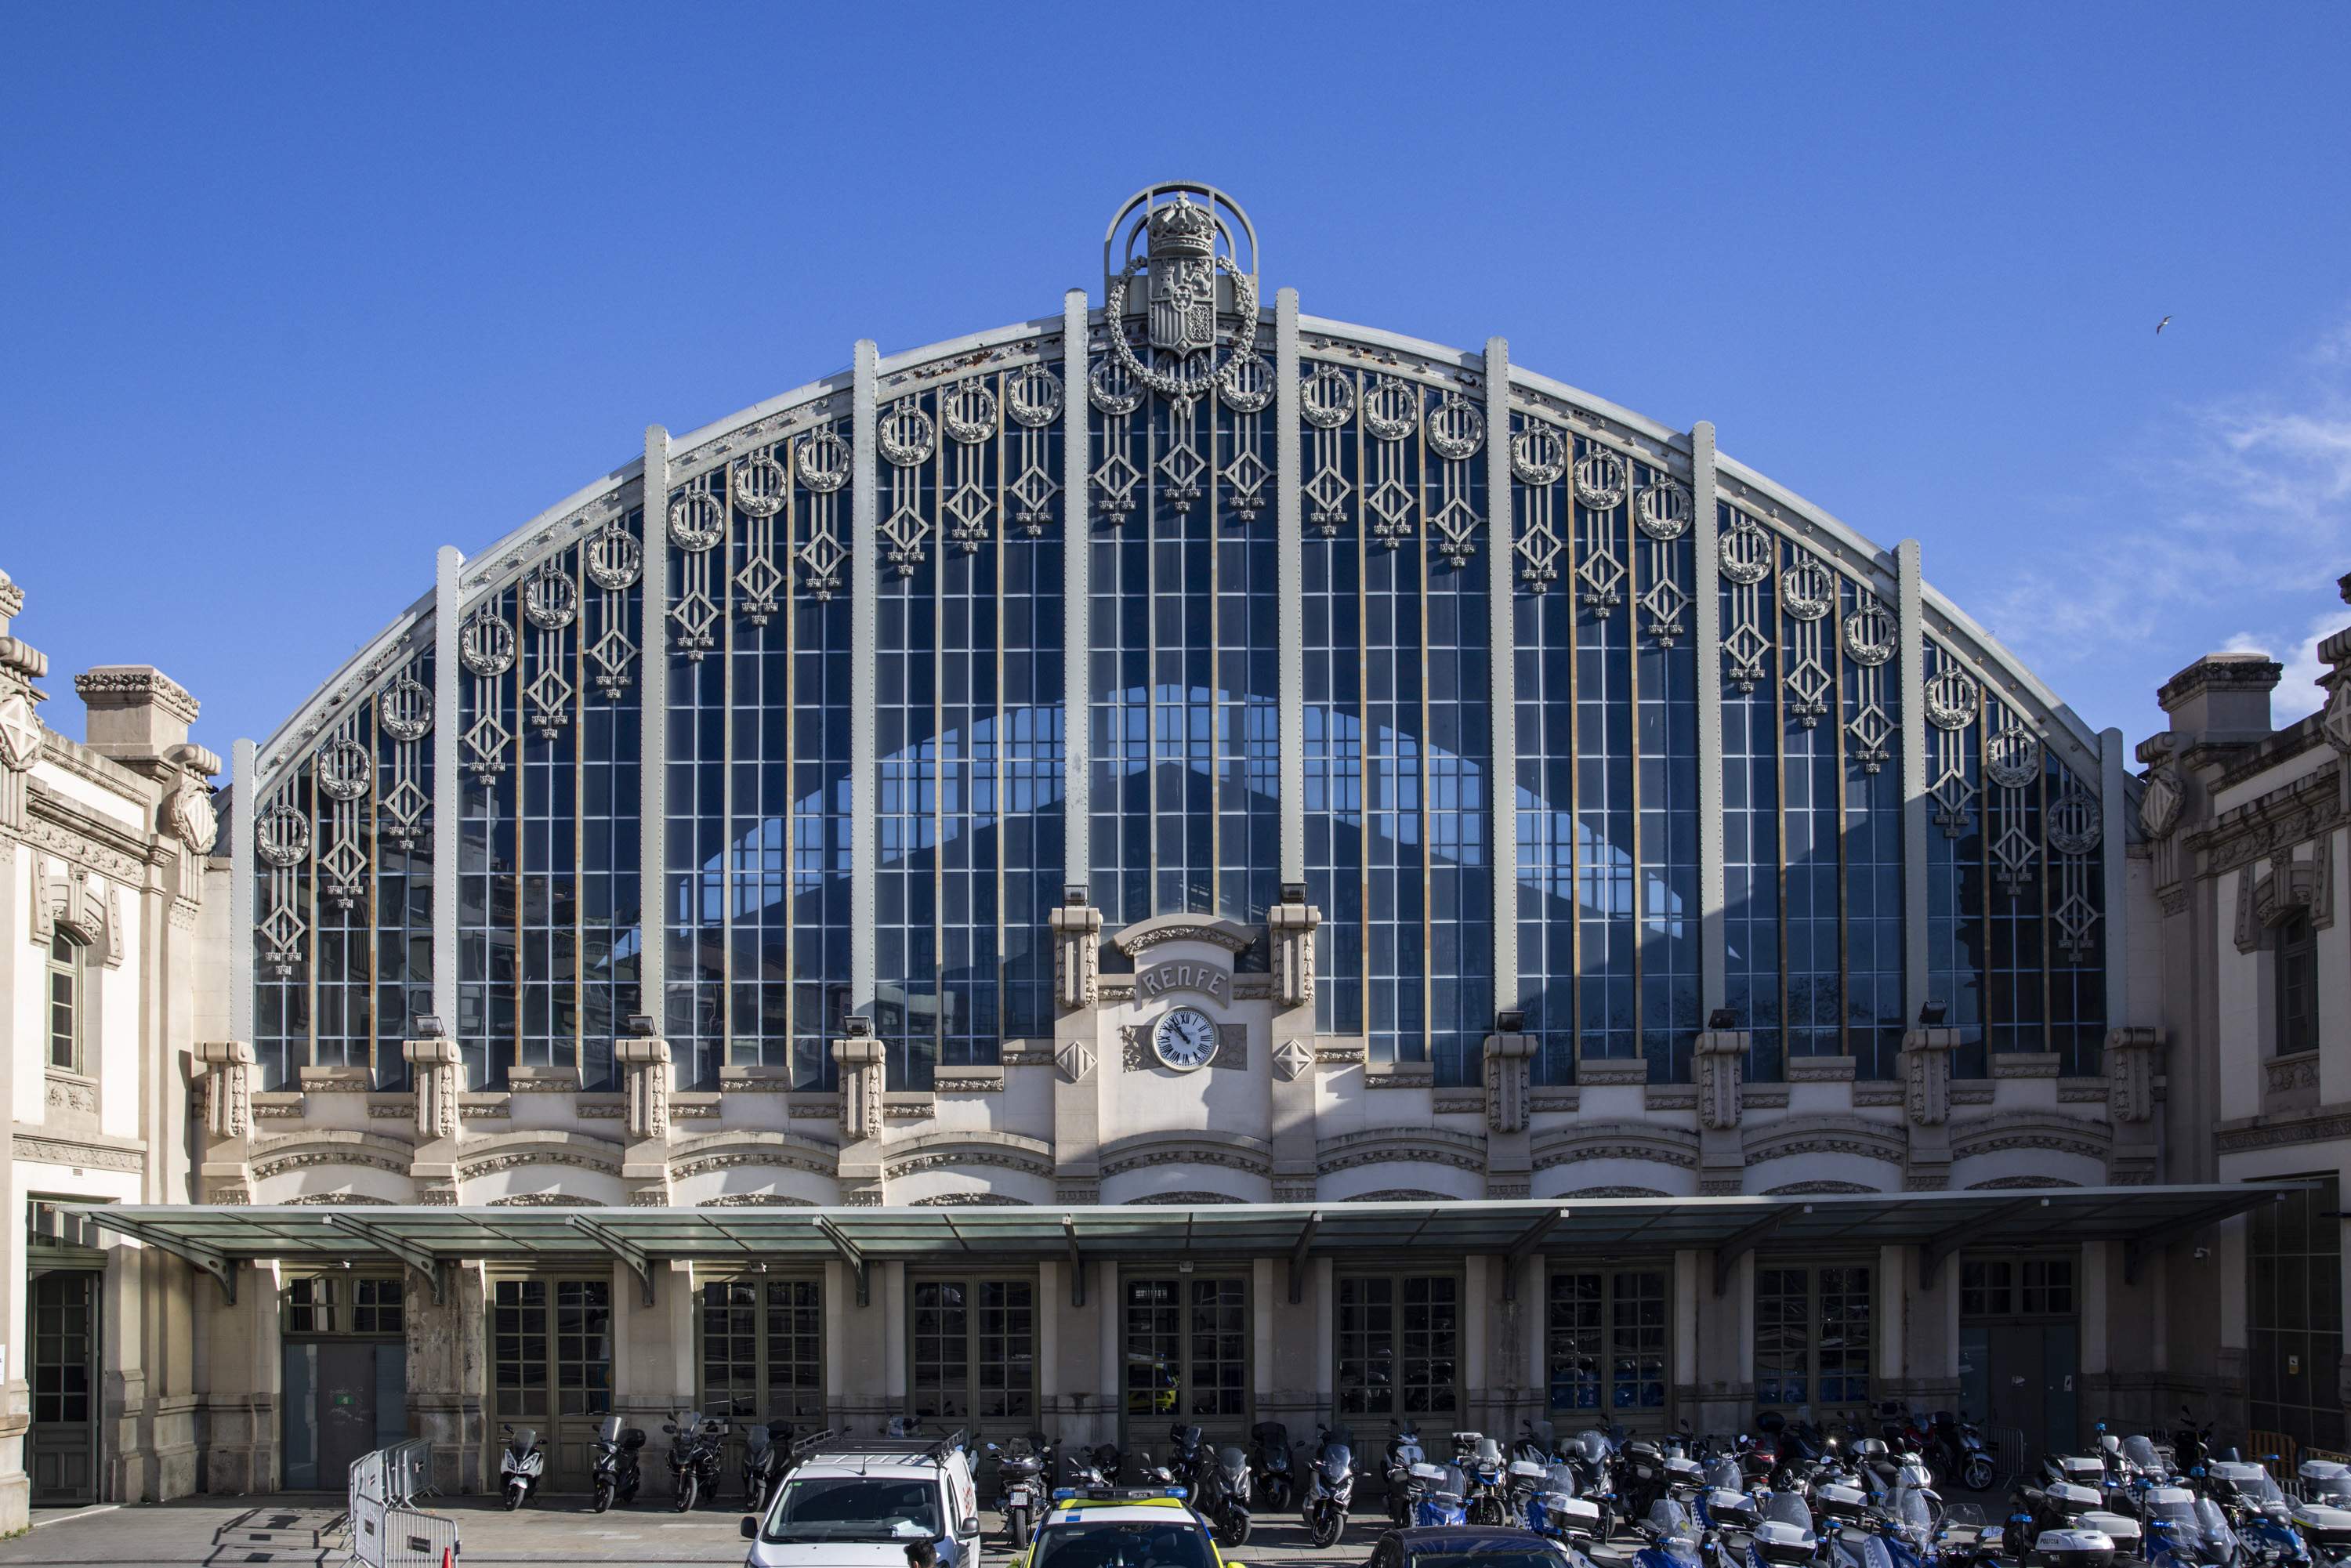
[
  {"x": 72, "y": 756},
  {"x": 2281, "y": 748},
  {"x": 127, "y": 683},
  {"x": 2320, "y": 1124},
  {"x": 1229, "y": 934},
  {"x": 2285, "y": 817}
]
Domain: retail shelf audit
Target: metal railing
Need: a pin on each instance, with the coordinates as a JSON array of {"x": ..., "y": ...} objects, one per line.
[
  {"x": 2009, "y": 1453},
  {"x": 386, "y": 1530}
]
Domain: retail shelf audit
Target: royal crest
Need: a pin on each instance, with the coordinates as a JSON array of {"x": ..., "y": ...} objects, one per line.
[{"x": 1187, "y": 243}]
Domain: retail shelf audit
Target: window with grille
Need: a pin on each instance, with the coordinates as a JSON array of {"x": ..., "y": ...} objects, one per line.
[
  {"x": 65, "y": 1003},
  {"x": 1399, "y": 1344},
  {"x": 2293, "y": 1254},
  {"x": 973, "y": 1352},
  {"x": 1812, "y": 1332},
  {"x": 2011, "y": 1287},
  {"x": 1606, "y": 1332},
  {"x": 762, "y": 1347},
  {"x": 378, "y": 1306},
  {"x": 1187, "y": 1348}
]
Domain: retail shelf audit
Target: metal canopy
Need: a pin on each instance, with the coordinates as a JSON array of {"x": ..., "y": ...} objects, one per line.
[{"x": 212, "y": 1235}]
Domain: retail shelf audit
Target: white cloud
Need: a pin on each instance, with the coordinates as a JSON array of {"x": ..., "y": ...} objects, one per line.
[{"x": 2297, "y": 694}]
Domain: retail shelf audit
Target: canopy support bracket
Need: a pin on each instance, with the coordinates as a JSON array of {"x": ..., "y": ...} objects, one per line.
[
  {"x": 619, "y": 1247},
  {"x": 1298, "y": 1255},
  {"x": 1935, "y": 1253},
  {"x": 1077, "y": 1262},
  {"x": 1728, "y": 1254},
  {"x": 2138, "y": 1249},
  {"x": 850, "y": 1255},
  {"x": 420, "y": 1258},
  {"x": 212, "y": 1261},
  {"x": 1528, "y": 1241}
]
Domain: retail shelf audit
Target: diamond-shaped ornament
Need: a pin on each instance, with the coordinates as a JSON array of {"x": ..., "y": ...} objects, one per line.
[
  {"x": 1291, "y": 1059},
  {"x": 1031, "y": 494},
  {"x": 1076, "y": 1060},
  {"x": 1116, "y": 478}
]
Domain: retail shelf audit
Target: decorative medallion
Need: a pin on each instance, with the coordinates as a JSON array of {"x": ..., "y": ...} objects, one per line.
[
  {"x": 1664, "y": 509},
  {"x": 404, "y": 708},
  {"x": 1188, "y": 248},
  {"x": 1457, "y": 427},
  {"x": 1538, "y": 455},
  {"x": 20, "y": 731},
  {"x": 1391, "y": 408},
  {"x": 823, "y": 462},
  {"x": 551, "y": 598},
  {"x": 1870, "y": 634},
  {"x": 1033, "y": 397},
  {"x": 1808, "y": 589},
  {"x": 2074, "y": 821},
  {"x": 905, "y": 433},
  {"x": 968, "y": 412},
  {"x": 342, "y": 770},
  {"x": 486, "y": 643},
  {"x": 1953, "y": 698},
  {"x": 281, "y": 836},
  {"x": 614, "y": 557},
  {"x": 2158, "y": 803},
  {"x": 1326, "y": 399},
  {"x": 2013, "y": 756},
  {"x": 1112, "y": 390},
  {"x": 1246, "y": 384},
  {"x": 1185, "y": 1038},
  {"x": 697, "y": 520},
  {"x": 760, "y": 484},
  {"x": 191, "y": 817},
  {"x": 1600, "y": 479},
  {"x": 1745, "y": 551}
]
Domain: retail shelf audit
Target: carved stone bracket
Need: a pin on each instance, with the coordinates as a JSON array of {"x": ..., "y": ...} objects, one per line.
[
  {"x": 1927, "y": 1075},
  {"x": 861, "y": 1105},
  {"x": 646, "y": 1061},
  {"x": 1508, "y": 1059},
  {"x": 1720, "y": 1064},
  {"x": 228, "y": 1086},
  {"x": 2130, "y": 1062},
  {"x": 1291, "y": 927},
  {"x": 2287, "y": 887},
  {"x": 440, "y": 1074},
  {"x": 87, "y": 908},
  {"x": 1077, "y": 954}
]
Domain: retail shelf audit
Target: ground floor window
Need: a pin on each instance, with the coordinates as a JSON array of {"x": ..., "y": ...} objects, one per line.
[
  {"x": 344, "y": 1304},
  {"x": 1812, "y": 1335},
  {"x": 1606, "y": 1331},
  {"x": 1399, "y": 1338},
  {"x": 2016, "y": 1287},
  {"x": 2295, "y": 1316},
  {"x": 763, "y": 1347},
  {"x": 551, "y": 1348},
  {"x": 1187, "y": 1351},
  {"x": 974, "y": 1351}
]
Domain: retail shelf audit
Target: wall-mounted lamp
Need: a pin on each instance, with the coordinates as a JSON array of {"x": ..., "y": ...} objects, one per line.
[
  {"x": 1723, "y": 1021},
  {"x": 1930, "y": 1016}
]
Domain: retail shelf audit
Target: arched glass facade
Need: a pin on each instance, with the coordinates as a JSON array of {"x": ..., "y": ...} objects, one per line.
[{"x": 1747, "y": 767}]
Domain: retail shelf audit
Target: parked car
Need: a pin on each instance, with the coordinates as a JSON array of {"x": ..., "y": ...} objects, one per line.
[
  {"x": 1121, "y": 1527},
  {"x": 1487, "y": 1546},
  {"x": 858, "y": 1502}
]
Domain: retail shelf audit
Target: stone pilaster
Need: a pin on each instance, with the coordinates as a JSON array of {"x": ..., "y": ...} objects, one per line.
[
  {"x": 1077, "y": 1065},
  {"x": 1294, "y": 1082},
  {"x": 861, "y": 1060},
  {"x": 645, "y": 1065},
  {"x": 2131, "y": 1058},
  {"x": 1509, "y": 1161},
  {"x": 1718, "y": 1063},
  {"x": 1927, "y": 1107}
]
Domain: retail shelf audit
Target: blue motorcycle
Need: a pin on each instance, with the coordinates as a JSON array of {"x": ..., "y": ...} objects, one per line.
[
  {"x": 1556, "y": 1512},
  {"x": 2184, "y": 1531},
  {"x": 1784, "y": 1538},
  {"x": 2324, "y": 1513},
  {"x": 1670, "y": 1541},
  {"x": 1443, "y": 1494}
]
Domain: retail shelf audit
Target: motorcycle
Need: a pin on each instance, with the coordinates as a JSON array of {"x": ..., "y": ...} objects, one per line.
[
  {"x": 1725, "y": 1505},
  {"x": 2324, "y": 1513},
  {"x": 1670, "y": 1541},
  {"x": 1481, "y": 1458},
  {"x": 1784, "y": 1538},
  {"x": 1095, "y": 1467},
  {"x": 1220, "y": 1480},
  {"x": 1401, "y": 1469},
  {"x": 766, "y": 1456},
  {"x": 1955, "y": 1452},
  {"x": 521, "y": 1468},
  {"x": 1271, "y": 1476},
  {"x": 1330, "y": 1485},
  {"x": 1593, "y": 1454},
  {"x": 1020, "y": 1467},
  {"x": 1557, "y": 1512},
  {"x": 616, "y": 1476},
  {"x": 1440, "y": 1495},
  {"x": 1539, "y": 1442},
  {"x": 698, "y": 1457},
  {"x": 2184, "y": 1531},
  {"x": 2191, "y": 1446}
]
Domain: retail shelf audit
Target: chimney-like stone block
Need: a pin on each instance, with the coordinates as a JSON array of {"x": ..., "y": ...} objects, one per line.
[
  {"x": 2221, "y": 699},
  {"x": 136, "y": 713}
]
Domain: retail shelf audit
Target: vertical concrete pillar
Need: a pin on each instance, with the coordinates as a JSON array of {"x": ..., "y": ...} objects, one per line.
[
  {"x": 449, "y": 1373},
  {"x": 652, "y": 776},
  {"x": 448, "y": 808},
  {"x": 1707, "y": 589},
  {"x": 1477, "y": 1376},
  {"x": 864, "y": 619},
  {"x": 1501, "y": 662},
  {"x": 1077, "y": 599},
  {"x": 1911, "y": 668},
  {"x": 1289, "y": 584}
]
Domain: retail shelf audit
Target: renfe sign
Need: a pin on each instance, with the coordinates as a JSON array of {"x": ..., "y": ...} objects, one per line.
[{"x": 1186, "y": 975}]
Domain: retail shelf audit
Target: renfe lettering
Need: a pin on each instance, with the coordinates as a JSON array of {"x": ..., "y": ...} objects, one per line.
[{"x": 1174, "y": 976}]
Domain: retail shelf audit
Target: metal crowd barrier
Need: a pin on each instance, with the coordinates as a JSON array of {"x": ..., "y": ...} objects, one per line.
[
  {"x": 2009, "y": 1453},
  {"x": 386, "y": 1530}
]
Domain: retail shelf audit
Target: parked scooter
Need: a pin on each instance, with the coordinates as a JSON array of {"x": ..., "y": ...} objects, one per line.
[
  {"x": 766, "y": 1456},
  {"x": 521, "y": 1468},
  {"x": 1329, "y": 1486},
  {"x": 1220, "y": 1480},
  {"x": 1402, "y": 1468},
  {"x": 1021, "y": 1468},
  {"x": 1095, "y": 1467},
  {"x": 698, "y": 1457},
  {"x": 1955, "y": 1452},
  {"x": 616, "y": 1476},
  {"x": 1273, "y": 1481}
]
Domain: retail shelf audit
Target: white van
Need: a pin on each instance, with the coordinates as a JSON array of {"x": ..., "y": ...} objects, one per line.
[{"x": 859, "y": 1503}]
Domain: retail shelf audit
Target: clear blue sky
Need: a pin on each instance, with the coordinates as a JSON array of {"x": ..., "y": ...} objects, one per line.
[{"x": 295, "y": 294}]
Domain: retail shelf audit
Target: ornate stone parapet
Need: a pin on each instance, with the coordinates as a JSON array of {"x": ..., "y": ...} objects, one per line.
[
  {"x": 1927, "y": 1075},
  {"x": 1291, "y": 927},
  {"x": 1719, "y": 1065},
  {"x": 1077, "y": 954},
  {"x": 440, "y": 1074},
  {"x": 646, "y": 1061},
  {"x": 1509, "y": 1094},
  {"x": 228, "y": 1087}
]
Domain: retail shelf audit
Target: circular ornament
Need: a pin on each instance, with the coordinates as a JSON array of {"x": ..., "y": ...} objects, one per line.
[
  {"x": 1246, "y": 384},
  {"x": 1600, "y": 479},
  {"x": 1326, "y": 398},
  {"x": 2159, "y": 803},
  {"x": 1457, "y": 427},
  {"x": 1870, "y": 634},
  {"x": 696, "y": 520},
  {"x": 1953, "y": 698},
  {"x": 342, "y": 770},
  {"x": 1033, "y": 397},
  {"x": 1745, "y": 552},
  {"x": 1808, "y": 589},
  {"x": 2013, "y": 756},
  {"x": 969, "y": 411},
  {"x": 2074, "y": 821},
  {"x": 1185, "y": 1038},
  {"x": 905, "y": 433},
  {"x": 1197, "y": 374},
  {"x": 1112, "y": 390},
  {"x": 1538, "y": 455},
  {"x": 192, "y": 818},
  {"x": 760, "y": 484},
  {"x": 550, "y": 599},
  {"x": 614, "y": 557},
  {"x": 404, "y": 708},
  {"x": 822, "y": 459},
  {"x": 282, "y": 836},
  {"x": 486, "y": 645},
  {"x": 1391, "y": 408},
  {"x": 1663, "y": 510}
]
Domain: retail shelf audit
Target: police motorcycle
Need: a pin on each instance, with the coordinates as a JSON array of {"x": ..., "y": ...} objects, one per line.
[
  {"x": 2323, "y": 1514},
  {"x": 2078, "y": 1507},
  {"x": 1489, "y": 1490},
  {"x": 1522, "y": 1485},
  {"x": 1272, "y": 1477},
  {"x": 1021, "y": 1466},
  {"x": 2192, "y": 1445},
  {"x": 1724, "y": 1504},
  {"x": 1591, "y": 1453},
  {"x": 1784, "y": 1538},
  {"x": 1401, "y": 1469},
  {"x": 616, "y": 1476},
  {"x": 1641, "y": 1477},
  {"x": 1440, "y": 1494},
  {"x": 1668, "y": 1539},
  {"x": 2184, "y": 1531},
  {"x": 1900, "y": 1534},
  {"x": 698, "y": 1457},
  {"x": 1330, "y": 1485},
  {"x": 1557, "y": 1512},
  {"x": 2138, "y": 1470},
  {"x": 2261, "y": 1514},
  {"x": 521, "y": 1466},
  {"x": 1539, "y": 1441}
]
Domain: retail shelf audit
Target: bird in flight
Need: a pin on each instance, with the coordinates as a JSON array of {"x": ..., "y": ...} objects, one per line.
[{"x": 2159, "y": 325}]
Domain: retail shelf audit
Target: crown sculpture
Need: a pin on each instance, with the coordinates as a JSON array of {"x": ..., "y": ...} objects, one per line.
[{"x": 1181, "y": 229}]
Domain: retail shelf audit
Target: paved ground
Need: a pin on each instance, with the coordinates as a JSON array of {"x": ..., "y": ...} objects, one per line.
[{"x": 306, "y": 1530}]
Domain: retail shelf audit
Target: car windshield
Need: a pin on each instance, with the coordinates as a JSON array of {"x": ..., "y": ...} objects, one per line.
[
  {"x": 1486, "y": 1557},
  {"x": 854, "y": 1507},
  {"x": 1136, "y": 1545}
]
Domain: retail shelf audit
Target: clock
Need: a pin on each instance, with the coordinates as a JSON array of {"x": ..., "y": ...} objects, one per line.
[{"x": 1185, "y": 1038}]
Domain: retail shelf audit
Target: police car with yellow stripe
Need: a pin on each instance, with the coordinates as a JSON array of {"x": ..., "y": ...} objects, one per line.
[{"x": 1121, "y": 1527}]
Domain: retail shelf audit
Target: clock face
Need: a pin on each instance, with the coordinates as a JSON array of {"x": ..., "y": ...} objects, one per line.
[{"x": 1185, "y": 1038}]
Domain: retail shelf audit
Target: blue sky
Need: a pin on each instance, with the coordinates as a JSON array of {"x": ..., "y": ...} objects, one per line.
[{"x": 295, "y": 294}]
